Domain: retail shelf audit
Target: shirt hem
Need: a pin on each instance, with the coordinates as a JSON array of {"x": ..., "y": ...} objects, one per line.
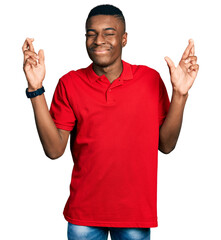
[
  {"x": 60, "y": 126},
  {"x": 148, "y": 224}
]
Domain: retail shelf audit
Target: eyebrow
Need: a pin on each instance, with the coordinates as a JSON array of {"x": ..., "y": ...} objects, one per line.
[
  {"x": 110, "y": 29},
  {"x": 106, "y": 29}
]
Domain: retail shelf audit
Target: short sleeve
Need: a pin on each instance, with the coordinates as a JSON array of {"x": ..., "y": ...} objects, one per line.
[
  {"x": 164, "y": 102},
  {"x": 61, "y": 110}
]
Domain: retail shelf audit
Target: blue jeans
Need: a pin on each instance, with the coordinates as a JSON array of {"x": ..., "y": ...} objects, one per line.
[{"x": 77, "y": 232}]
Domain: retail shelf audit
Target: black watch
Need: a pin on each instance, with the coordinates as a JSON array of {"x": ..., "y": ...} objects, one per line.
[{"x": 35, "y": 93}]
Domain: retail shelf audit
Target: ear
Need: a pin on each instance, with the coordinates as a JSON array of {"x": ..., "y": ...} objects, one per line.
[{"x": 124, "y": 39}]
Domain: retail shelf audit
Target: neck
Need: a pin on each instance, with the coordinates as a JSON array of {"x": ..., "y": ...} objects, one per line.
[{"x": 111, "y": 72}]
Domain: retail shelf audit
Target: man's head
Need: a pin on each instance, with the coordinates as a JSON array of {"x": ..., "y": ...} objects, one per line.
[{"x": 105, "y": 34}]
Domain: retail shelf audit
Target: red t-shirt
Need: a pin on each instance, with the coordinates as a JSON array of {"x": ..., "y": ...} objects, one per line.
[{"x": 114, "y": 143}]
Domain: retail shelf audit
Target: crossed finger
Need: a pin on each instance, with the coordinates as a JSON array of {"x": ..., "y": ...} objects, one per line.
[
  {"x": 28, "y": 45},
  {"x": 30, "y": 56},
  {"x": 190, "y": 50},
  {"x": 189, "y": 59}
]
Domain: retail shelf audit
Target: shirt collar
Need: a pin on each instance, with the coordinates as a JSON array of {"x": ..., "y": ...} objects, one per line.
[{"x": 125, "y": 75}]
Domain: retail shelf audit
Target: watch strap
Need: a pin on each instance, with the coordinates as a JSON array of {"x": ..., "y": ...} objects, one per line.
[{"x": 35, "y": 93}]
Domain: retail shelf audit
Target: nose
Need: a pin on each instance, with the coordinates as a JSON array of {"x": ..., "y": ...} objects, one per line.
[{"x": 99, "y": 39}]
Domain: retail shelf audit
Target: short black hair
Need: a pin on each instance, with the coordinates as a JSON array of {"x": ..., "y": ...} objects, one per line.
[{"x": 107, "y": 9}]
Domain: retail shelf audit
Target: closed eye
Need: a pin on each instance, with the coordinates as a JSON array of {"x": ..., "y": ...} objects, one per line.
[{"x": 90, "y": 34}]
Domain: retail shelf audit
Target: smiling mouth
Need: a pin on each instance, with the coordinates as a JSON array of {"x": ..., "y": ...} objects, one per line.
[{"x": 100, "y": 51}]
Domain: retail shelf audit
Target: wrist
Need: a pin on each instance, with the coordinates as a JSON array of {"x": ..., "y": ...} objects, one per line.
[
  {"x": 180, "y": 94},
  {"x": 179, "y": 97},
  {"x": 34, "y": 88}
]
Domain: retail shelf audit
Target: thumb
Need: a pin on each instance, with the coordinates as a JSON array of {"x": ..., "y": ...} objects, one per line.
[
  {"x": 170, "y": 64},
  {"x": 41, "y": 56}
]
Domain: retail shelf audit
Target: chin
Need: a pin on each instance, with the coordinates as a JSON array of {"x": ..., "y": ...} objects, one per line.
[{"x": 102, "y": 62}]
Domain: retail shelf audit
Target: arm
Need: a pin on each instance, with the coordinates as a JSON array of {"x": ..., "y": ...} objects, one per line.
[
  {"x": 170, "y": 129},
  {"x": 53, "y": 140},
  {"x": 182, "y": 78}
]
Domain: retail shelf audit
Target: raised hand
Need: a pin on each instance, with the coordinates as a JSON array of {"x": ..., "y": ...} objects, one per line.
[
  {"x": 183, "y": 76},
  {"x": 33, "y": 66}
]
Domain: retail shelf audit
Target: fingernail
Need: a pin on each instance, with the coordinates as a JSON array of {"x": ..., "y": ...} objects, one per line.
[{"x": 186, "y": 61}]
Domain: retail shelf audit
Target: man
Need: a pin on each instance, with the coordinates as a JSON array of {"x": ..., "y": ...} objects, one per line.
[{"x": 118, "y": 116}]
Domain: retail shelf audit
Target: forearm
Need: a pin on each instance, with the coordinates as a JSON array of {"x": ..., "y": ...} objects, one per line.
[
  {"x": 170, "y": 129},
  {"x": 49, "y": 134}
]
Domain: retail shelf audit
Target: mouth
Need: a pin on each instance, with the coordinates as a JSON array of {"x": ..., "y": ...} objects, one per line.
[{"x": 100, "y": 51}]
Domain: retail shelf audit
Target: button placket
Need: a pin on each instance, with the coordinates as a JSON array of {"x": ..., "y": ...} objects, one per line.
[
  {"x": 108, "y": 95},
  {"x": 109, "y": 91}
]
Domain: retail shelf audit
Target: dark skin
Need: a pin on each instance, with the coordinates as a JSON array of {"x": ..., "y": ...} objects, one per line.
[{"x": 105, "y": 38}]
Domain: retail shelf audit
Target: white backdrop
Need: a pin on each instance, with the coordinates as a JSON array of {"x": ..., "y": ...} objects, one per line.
[{"x": 34, "y": 189}]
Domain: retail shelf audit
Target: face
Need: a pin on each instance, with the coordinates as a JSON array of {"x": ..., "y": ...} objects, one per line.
[{"x": 105, "y": 38}]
